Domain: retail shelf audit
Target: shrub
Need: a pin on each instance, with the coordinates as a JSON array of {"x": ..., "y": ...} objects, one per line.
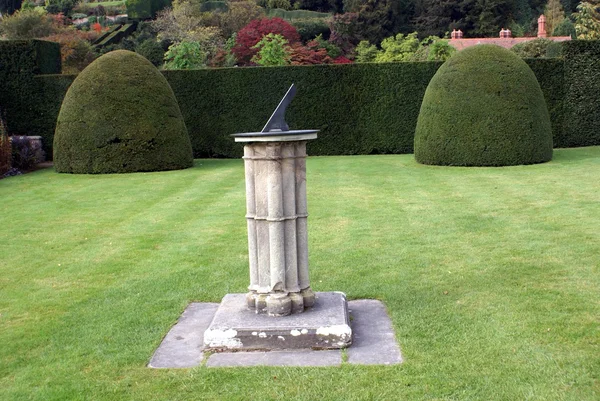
[
  {"x": 273, "y": 50},
  {"x": 119, "y": 116},
  {"x": 152, "y": 50},
  {"x": 26, "y": 24},
  {"x": 185, "y": 56},
  {"x": 144, "y": 9},
  {"x": 310, "y": 54},
  {"x": 60, "y": 6},
  {"x": 75, "y": 48},
  {"x": 333, "y": 51},
  {"x": 565, "y": 28},
  {"x": 483, "y": 107},
  {"x": 538, "y": 48},
  {"x": 310, "y": 28}
]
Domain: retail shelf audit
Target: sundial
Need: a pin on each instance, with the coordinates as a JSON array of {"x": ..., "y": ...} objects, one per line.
[{"x": 280, "y": 309}]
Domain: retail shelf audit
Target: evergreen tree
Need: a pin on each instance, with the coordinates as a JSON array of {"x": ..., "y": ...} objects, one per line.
[
  {"x": 375, "y": 21},
  {"x": 493, "y": 15},
  {"x": 554, "y": 14},
  {"x": 436, "y": 17}
]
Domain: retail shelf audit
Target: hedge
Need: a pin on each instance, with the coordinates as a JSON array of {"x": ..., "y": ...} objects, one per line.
[
  {"x": 483, "y": 107},
  {"x": 20, "y": 61},
  {"x": 360, "y": 108},
  {"x": 582, "y": 93}
]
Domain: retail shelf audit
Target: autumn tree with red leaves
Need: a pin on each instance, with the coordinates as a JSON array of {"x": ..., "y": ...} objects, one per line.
[
  {"x": 309, "y": 54},
  {"x": 252, "y": 33}
]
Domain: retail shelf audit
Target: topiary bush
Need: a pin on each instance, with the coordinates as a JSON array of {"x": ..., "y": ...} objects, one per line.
[
  {"x": 120, "y": 116},
  {"x": 483, "y": 107}
]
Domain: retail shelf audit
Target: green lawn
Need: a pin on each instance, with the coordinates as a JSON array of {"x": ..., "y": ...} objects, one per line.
[{"x": 491, "y": 277}]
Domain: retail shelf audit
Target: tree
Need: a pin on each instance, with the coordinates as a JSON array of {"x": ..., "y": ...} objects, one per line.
[
  {"x": 352, "y": 6},
  {"x": 493, "y": 15},
  {"x": 434, "y": 17},
  {"x": 398, "y": 48},
  {"x": 252, "y": 33},
  {"x": 240, "y": 14},
  {"x": 554, "y": 14},
  {"x": 186, "y": 23},
  {"x": 587, "y": 20},
  {"x": 405, "y": 48},
  {"x": 565, "y": 28},
  {"x": 320, "y": 5},
  {"x": 375, "y": 21},
  {"x": 344, "y": 31}
]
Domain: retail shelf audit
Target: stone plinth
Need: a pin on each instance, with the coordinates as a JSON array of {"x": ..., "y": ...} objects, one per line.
[
  {"x": 324, "y": 326},
  {"x": 276, "y": 214}
]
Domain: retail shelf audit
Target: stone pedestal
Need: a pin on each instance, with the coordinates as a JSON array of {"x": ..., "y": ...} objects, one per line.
[
  {"x": 269, "y": 316},
  {"x": 276, "y": 214}
]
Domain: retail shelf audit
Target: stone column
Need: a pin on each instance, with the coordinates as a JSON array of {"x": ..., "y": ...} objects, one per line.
[{"x": 276, "y": 214}]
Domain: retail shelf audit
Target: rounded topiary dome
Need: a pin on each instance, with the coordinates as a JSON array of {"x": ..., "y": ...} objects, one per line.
[
  {"x": 483, "y": 107},
  {"x": 120, "y": 116}
]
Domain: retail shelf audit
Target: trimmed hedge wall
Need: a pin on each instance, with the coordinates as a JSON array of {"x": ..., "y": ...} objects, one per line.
[
  {"x": 46, "y": 100},
  {"x": 549, "y": 73},
  {"x": 20, "y": 61},
  {"x": 582, "y": 93},
  {"x": 483, "y": 107},
  {"x": 360, "y": 108}
]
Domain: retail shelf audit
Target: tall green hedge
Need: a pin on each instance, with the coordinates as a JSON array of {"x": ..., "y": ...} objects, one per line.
[
  {"x": 366, "y": 108},
  {"x": 360, "y": 109},
  {"x": 582, "y": 93},
  {"x": 48, "y": 96},
  {"x": 20, "y": 62},
  {"x": 549, "y": 73}
]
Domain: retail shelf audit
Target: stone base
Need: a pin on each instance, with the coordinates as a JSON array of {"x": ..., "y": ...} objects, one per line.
[
  {"x": 373, "y": 343},
  {"x": 324, "y": 326}
]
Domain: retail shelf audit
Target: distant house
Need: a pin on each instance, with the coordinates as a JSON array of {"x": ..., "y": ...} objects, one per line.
[{"x": 505, "y": 40}]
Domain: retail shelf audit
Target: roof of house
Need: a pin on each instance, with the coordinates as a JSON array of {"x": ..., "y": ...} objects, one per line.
[{"x": 507, "y": 43}]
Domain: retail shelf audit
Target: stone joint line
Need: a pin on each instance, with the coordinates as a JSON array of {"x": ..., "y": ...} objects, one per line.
[{"x": 276, "y": 219}]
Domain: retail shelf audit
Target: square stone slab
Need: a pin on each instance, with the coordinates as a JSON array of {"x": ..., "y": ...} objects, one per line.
[
  {"x": 324, "y": 326},
  {"x": 183, "y": 346},
  {"x": 373, "y": 340},
  {"x": 276, "y": 358},
  {"x": 372, "y": 332}
]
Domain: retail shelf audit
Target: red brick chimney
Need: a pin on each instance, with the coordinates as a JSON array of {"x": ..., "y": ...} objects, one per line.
[
  {"x": 456, "y": 34},
  {"x": 505, "y": 33},
  {"x": 542, "y": 27}
]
